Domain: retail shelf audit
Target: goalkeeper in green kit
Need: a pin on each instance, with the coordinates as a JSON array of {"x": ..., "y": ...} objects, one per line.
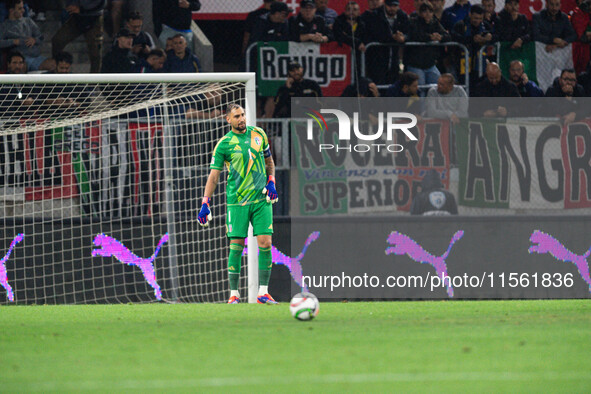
[{"x": 250, "y": 192}]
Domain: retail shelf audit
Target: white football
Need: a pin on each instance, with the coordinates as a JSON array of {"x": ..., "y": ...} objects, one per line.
[{"x": 304, "y": 306}]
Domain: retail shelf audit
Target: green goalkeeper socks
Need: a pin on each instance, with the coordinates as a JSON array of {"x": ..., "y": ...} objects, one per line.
[
  {"x": 234, "y": 263},
  {"x": 265, "y": 264}
]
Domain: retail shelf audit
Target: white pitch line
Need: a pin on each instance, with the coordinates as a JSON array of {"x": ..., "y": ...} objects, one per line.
[{"x": 290, "y": 380}]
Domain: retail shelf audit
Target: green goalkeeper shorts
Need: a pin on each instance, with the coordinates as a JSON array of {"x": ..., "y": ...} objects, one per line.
[{"x": 260, "y": 214}]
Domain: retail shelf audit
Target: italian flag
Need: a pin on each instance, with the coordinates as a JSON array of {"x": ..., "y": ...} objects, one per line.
[{"x": 540, "y": 66}]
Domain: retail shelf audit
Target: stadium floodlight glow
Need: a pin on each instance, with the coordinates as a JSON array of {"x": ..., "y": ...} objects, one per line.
[{"x": 123, "y": 155}]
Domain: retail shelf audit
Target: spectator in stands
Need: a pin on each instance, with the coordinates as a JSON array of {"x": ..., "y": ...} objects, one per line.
[
  {"x": 474, "y": 33},
  {"x": 372, "y": 6},
  {"x": 438, "y": 9},
  {"x": 387, "y": 24},
  {"x": 328, "y": 14},
  {"x": 23, "y": 34},
  {"x": 153, "y": 63},
  {"x": 490, "y": 15},
  {"x": 120, "y": 59},
  {"x": 168, "y": 46},
  {"x": 494, "y": 85},
  {"x": 350, "y": 29},
  {"x": 252, "y": 20},
  {"x": 15, "y": 63},
  {"x": 433, "y": 199},
  {"x": 63, "y": 62},
  {"x": 512, "y": 26},
  {"x": 273, "y": 26},
  {"x": 172, "y": 17},
  {"x": 69, "y": 97},
  {"x": 552, "y": 27},
  {"x": 518, "y": 77},
  {"x": 407, "y": 86},
  {"x": 307, "y": 26},
  {"x": 422, "y": 60},
  {"x": 295, "y": 86},
  {"x": 85, "y": 18},
  {"x": 566, "y": 87},
  {"x": 180, "y": 59},
  {"x": 363, "y": 87},
  {"x": 16, "y": 99},
  {"x": 446, "y": 100},
  {"x": 4, "y": 11},
  {"x": 143, "y": 43},
  {"x": 417, "y": 5},
  {"x": 582, "y": 26},
  {"x": 455, "y": 13}
]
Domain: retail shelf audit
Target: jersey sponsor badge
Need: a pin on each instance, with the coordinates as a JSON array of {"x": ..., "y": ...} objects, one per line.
[{"x": 437, "y": 199}]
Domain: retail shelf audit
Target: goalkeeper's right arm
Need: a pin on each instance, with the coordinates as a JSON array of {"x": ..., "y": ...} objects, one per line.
[{"x": 205, "y": 213}]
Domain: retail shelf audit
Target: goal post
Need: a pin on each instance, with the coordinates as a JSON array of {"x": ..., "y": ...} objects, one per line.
[{"x": 100, "y": 183}]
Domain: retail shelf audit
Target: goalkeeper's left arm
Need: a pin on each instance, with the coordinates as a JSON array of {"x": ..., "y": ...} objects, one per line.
[{"x": 270, "y": 190}]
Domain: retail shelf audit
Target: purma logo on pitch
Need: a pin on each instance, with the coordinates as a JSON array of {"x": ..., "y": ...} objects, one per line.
[{"x": 387, "y": 122}]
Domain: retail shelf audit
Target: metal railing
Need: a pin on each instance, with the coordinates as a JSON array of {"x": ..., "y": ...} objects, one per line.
[
  {"x": 466, "y": 85},
  {"x": 481, "y": 69}
]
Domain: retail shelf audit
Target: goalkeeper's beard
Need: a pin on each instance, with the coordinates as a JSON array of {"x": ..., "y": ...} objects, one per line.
[{"x": 240, "y": 127}]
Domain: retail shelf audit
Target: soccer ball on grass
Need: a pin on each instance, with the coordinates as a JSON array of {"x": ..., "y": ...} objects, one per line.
[{"x": 304, "y": 306}]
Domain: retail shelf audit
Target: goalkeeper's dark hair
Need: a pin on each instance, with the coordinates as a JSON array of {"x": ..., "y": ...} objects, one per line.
[{"x": 232, "y": 107}]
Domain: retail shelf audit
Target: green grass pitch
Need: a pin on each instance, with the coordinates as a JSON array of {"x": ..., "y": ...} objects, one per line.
[{"x": 480, "y": 346}]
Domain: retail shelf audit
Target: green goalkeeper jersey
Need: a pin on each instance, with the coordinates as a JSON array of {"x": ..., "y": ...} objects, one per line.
[{"x": 244, "y": 156}]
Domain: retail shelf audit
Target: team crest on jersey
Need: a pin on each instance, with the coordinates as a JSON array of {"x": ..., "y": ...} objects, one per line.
[
  {"x": 257, "y": 140},
  {"x": 437, "y": 199}
]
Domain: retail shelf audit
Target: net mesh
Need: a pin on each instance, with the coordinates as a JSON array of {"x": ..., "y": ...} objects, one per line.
[{"x": 100, "y": 187}]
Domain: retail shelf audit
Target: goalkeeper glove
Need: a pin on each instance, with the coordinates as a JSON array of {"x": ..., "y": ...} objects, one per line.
[
  {"x": 270, "y": 190},
  {"x": 205, "y": 214}
]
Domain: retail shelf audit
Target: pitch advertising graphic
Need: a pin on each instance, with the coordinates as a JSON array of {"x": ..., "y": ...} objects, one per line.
[{"x": 520, "y": 184}]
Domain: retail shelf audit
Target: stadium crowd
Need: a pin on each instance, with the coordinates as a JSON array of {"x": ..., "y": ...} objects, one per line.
[{"x": 395, "y": 67}]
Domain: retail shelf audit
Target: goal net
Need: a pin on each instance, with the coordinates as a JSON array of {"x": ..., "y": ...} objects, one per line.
[{"x": 101, "y": 178}]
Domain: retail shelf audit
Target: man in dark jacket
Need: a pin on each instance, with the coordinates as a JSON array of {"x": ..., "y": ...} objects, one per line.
[
  {"x": 518, "y": 77},
  {"x": 172, "y": 17},
  {"x": 407, "y": 86},
  {"x": 433, "y": 199},
  {"x": 422, "y": 59},
  {"x": 552, "y": 27},
  {"x": 387, "y": 24},
  {"x": 512, "y": 26},
  {"x": 494, "y": 85},
  {"x": 307, "y": 26},
  {"x": 474, "y": 33},
  {"x": 180, "y": 59},
  {"x": 350, "y": 29},
  {"x": 295, "y": 86},
  {"x": 568, "y": 105},
  {"x": 120, "y": 59},
  {"x": 272, "y": 26}
]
